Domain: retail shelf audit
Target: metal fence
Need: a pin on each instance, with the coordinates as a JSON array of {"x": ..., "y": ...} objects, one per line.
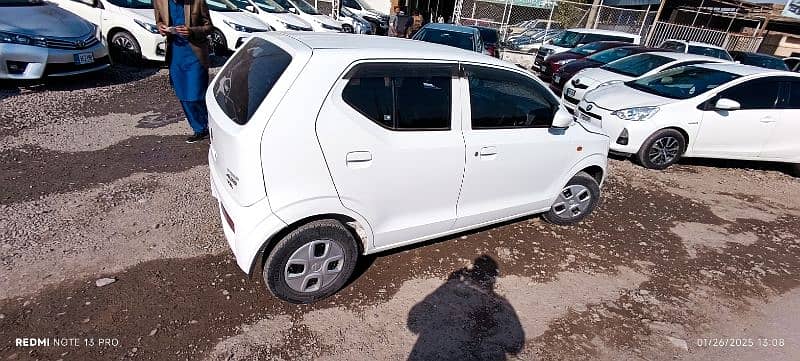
[{"x": 662, "y": 31}]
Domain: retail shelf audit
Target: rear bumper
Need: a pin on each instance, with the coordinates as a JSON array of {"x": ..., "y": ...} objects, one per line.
[{"x": 252, "y": 226}]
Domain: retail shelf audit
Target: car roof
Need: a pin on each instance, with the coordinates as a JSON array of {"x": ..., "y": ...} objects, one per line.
[
  {"x": 602, "y": 32},
  {"x": 451, "y": 27},
  {"x": 481, "y": 27},
  {"x": 745, "y": 70},
  {"x": 696, "y": 43},
  {"x": 684, "y": 56},
  {"x": 370, "y": 46}
]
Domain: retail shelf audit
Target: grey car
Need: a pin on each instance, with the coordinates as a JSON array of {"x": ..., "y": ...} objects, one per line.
[{"x": 39, "y": 39}]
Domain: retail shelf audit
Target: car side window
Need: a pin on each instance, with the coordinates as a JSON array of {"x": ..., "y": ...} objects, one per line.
[
  {"x": 351, "y": 4},
  {"x": 754, "y": 94},
  {"x": 402, "y": 96},
  {"x": 501, "y": 99},
  {"x": 792, "y": 94}
]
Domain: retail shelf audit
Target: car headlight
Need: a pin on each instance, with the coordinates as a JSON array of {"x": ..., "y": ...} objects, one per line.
[
  {"x": 242, "y": 28},
  {"x": 12, "y": 38},
  {"x": 147, "y": 26},
  {"x": 636, "y": 114},
  {"x": 610, "y": 82},
  {"x": 562, "y": 62}
]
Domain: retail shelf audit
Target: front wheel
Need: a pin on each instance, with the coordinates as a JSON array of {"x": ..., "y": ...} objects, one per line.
[
  {"x": 575, "y": 201},
  {"x": 794, "y": 169},
  {"x": 312, "y": 262},
  {"x": 663, "y": 149},
  {"x": 126, "y": 47}
]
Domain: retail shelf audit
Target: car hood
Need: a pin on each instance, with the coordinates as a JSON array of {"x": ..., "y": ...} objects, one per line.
[
  {"x": 621, "y": 96},
  {"x": 327, "y": 20},
  {"x": 563, "y": 56},
  {"x": 145, "y": 14},
  {"x": 292, "y": 19},
  {"x": 43, "y": 20},
  {"x": 578, "y": 65},
  {"x": 241, "y": 18}
]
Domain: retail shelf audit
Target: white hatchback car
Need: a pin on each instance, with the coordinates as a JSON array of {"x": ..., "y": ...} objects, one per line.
[
  {"x": 329, "y": 146},
  {"x": 625, "y": 69},
  {"x": 724, "y": 110}
]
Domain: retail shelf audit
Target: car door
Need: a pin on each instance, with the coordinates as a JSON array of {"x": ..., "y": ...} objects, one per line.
[
  {"x": 742, "y": 132},
  {"x": 394, "y": 154},
  {"x": 783, "y": 142},
  {"x": 512, "y": 159}
]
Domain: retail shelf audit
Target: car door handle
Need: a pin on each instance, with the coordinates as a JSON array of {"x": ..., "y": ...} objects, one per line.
[
  {"x": 487, "y": 151},
  {"x": 768, "y": 120},
  {"x": 359, "y": 157}
]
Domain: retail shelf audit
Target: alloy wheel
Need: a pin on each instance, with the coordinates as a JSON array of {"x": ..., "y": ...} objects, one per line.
[
  {"x": 664, "y": 150},
  {"x": 314, "y": 265}
]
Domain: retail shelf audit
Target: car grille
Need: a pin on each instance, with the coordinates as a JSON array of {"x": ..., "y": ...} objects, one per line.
[
  {"x": 593, "y": 115},
  {"x": 72, "y": 43}
]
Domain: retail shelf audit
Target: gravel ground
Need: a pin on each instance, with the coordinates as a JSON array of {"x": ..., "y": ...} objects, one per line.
[{"x": 96, "y": 184}]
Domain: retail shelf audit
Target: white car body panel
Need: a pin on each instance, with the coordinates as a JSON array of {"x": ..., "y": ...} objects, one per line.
[
  {"x": 635, "y": 39},
  {"x": 748, "y": 134},
  {"x": 278, "y": 21},
  {"x": 112, "y": 18},
  {"x": 233, "y": 38},
  {"x": 289, "y": 162}
]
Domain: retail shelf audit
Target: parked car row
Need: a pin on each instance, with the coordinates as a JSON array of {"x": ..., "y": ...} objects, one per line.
[{"x": 79, "y": 44}]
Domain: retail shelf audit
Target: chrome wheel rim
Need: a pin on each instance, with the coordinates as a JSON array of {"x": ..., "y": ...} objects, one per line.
[
  {"x": 573, "y": 201},
  {"x": 217, "y": 43},
  {"x": 664, "y": 150},
  {"x": 314, "y": 265}
]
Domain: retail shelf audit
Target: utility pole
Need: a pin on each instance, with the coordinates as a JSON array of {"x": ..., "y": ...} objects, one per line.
[
  {"x": 655, "y": 21},
  {"x": 590, "y": 20}
]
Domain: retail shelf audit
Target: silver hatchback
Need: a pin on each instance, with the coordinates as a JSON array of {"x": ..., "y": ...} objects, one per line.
[{"x": 39, "y": 39}]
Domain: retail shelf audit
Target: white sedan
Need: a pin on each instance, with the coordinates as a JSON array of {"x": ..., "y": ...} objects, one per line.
[
  {"x": 232, "y": 26},
  {"x": 728, "y": 110},
  {"x": 625, "y": 69},
  {"x": 127, "y": 25}
]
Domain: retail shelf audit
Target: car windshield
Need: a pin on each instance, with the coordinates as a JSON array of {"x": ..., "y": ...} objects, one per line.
[
  {"x": 306, "y": 7},
  {"x": 712, "y": 52},
  {"x": 21, "y": 2},
  {"x": 607, "y": 56},
  {"x": 221, "y": 6},
  {"x": 636, "y": 65},
  {"x": 682, "y": 83},
  {"x": 763, "y": 61},
  {"x": 269, "y": 6},
  {"x": 132, "y": 4},
  {"x": 587, "y": 49},
  {"x": 568, "y": 39},
  {"x": 452, "y": 38}
]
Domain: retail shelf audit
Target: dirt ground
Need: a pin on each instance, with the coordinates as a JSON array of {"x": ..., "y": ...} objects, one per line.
[{"x": 699, "y": 262}]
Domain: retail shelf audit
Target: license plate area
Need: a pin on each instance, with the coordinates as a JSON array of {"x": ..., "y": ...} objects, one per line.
[
  {"x": 586, "y": 119},
  {"x": 84, "y": 58},
  {"x": 570, "y": 92},
  {"x": 556, "y": 79}
]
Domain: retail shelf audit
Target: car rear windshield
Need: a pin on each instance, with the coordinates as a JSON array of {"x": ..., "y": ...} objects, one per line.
[
  {"x": 607, "y": 56},
  {"x": 682, "y": 83},
  {"x": 636, "y": 65},
  {"x": 587, "y": 49},
  {"x": 763, "y": 61},
  {"x": 712, "y": 52},
  {"x": 452, "y": 38},
  {"x": 248, "y": 77}
]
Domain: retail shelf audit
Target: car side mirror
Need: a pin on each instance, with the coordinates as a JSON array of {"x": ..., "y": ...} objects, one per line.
[
  {"x": 562, "y": 119},
  {"x": 727, "y": 104},
  {"x": 250, "y": 8}
]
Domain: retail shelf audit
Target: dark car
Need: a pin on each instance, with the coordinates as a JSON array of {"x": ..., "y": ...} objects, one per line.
[
  {"x": 490, "y": 38},
  {"x": 553, "y": 62},
  {"x": 596, "y": 60},
  {"x": 759, "y": 60}
]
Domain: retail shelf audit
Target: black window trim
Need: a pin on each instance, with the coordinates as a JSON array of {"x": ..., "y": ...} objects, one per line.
[
  {"x": 353, "y": 68},
  {"x": 462, "y": 74},
  {"x": 708, "y": 104}
]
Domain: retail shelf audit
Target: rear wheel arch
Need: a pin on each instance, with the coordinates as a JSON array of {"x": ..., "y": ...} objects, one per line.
[{"x": 350, "y": 223}]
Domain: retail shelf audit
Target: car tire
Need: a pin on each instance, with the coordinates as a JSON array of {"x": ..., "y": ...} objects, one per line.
[
  {"x": 217, "y": 43},
  {"x": 662, "y": 149},
  {"x": 794, "y": 169},
  {"x": 575, "y": 202},
  {"x": 312, "y": 262},
  {"x": 126, "y": 47}
]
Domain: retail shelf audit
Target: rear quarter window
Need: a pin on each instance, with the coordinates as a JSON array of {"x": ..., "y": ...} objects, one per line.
[{"x": 248, "y": 78}]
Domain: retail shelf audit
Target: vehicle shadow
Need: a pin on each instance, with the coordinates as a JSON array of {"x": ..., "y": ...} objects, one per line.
[
  {"x": 464, "y": 319},
  {"x": 114, "y": 75},
  {"x": 721, "y": 163}
]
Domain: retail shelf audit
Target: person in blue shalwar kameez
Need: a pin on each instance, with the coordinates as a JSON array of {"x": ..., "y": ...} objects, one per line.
[{"x": 187, "y": 55}]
